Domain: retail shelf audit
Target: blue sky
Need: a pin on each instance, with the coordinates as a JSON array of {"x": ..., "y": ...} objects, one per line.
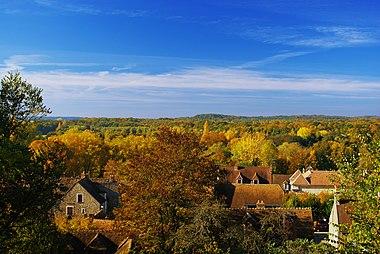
[{"x": 180, "y": 58}]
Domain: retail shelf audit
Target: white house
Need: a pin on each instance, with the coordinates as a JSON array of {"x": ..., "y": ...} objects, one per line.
[{"x": 312, "y": 181}]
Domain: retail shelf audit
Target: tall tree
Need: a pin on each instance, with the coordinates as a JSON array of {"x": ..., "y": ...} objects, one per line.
[
  {"x": 160, "y": 185},
  {"x": 27, "y": 185},
  {"x": 361, "y": 184},
  {"x": 20, "y": 102}
]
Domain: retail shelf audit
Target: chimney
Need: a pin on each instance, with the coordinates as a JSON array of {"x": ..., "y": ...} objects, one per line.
[
  {"x": 260, "y": 204},
  {"x": 83, "y": 174}
]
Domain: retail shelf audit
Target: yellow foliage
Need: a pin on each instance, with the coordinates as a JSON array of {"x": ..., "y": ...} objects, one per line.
[
  {"x": 75, "y": 224},
  {"x": 304, "y": 132}
]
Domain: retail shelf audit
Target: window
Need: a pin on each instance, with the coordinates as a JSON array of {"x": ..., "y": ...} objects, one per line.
[
  {"x": 69, "y": 211},
  {"x": 255, "y": 181},
  {"x": 83, "y": 210},
  {"x": 79, "y": 198},
  {"x": 240, "y": 179}
]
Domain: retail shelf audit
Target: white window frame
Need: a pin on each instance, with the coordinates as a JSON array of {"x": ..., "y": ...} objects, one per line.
[
  {"x": 255, "y": 181},
  {"x": 77, "y": 200}
]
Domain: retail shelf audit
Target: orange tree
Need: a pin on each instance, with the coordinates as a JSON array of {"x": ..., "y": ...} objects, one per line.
[{"x": 161, "y": 185}]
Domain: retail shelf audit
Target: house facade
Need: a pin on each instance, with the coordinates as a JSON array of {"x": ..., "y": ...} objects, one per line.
[{"x": 89, "y": 198}]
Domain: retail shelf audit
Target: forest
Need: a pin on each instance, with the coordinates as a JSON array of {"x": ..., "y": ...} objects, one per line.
[
  {"x": 283, "y": 143},
  {"x": 168, "y": 170}
]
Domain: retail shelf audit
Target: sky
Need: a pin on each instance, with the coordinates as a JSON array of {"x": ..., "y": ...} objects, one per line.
[{"x": 155, "y": 58}]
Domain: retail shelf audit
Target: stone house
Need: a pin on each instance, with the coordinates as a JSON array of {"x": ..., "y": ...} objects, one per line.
[{"x": 88, "y": 197}]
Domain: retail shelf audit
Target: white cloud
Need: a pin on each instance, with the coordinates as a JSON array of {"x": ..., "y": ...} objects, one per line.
[
  {"x": 19, "y": 62},
  {"x": 82, "y": 84},
  {"x": 318, "y": 36},
  {"x": 88, "y": 9},
  {"x": 272, "y": 59}
]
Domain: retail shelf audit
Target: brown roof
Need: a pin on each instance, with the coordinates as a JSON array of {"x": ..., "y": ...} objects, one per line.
[
  {"x": 251, "y": 194},
  {"x": 343, "y": 213},
  {"x": 313, "y": 178},
  {"x": 280, "y": 178},
  {"x": 319, "y": 177},
  {"x": 264, "y": 174},
  {"x": 87, "y": 240},
  {"x": 300, "y": 180},
  {"x": 294, "y": 176},
  {"x": 298, "y": 222}
]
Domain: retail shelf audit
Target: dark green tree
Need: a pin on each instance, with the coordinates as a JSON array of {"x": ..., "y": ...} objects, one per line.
[
  {"x": 28, "y": 188},
  {"x": 20, "y": 103}
]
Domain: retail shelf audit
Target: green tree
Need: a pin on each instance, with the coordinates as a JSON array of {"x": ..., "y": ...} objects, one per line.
[
  {"x": 20, "y": 103},
  {"x": 302, "y": 246},
  {"x": 28, "y": 188},
  {"x": 361, "y": 183}
]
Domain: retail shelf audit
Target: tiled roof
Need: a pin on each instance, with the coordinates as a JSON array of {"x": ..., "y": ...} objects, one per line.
[
  {"x": 294, "y": 176},
  {"x": 91, "y": 188},
  {"x": 298, "y": 222},
  {"x": 318, "y": 177},
  {"x": 280, "y": 178},
  {"x": 264, "y": 174},
  {"x": 251, "y": 194},
  {"x": 313, "y": 178},
  {"x": 343, "y": 213},
  {"x": 300, "y": 180},
  {"x": 85, "y": 241}
]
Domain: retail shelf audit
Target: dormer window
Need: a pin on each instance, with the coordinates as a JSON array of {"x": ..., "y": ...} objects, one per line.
[
  {"x": 286, "y": 186},
  {"x": 240, "y": 179},
  {"x": 255, "y": 181},
  {"x": 79, "y": 198}
]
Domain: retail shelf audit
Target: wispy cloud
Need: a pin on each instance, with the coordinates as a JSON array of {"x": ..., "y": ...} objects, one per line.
[
  {"x": 201, "y": 78},
  {"x": 272, "y": 59},
  {"x": 19, "y": 62},
  {"x": 317, "y": 36},
  {"x": 64, "y": 6}
]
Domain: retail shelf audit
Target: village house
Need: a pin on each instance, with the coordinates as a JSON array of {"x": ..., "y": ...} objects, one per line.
[
  {"x": 282, "y": 180},
  {"x": 89, "y": 197},
  {"x": 249, "y": 175},
  {"x": 254, "y": 195},
  {"x": 312, "y": 181},
  {"x": 339, "y": 216}
]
